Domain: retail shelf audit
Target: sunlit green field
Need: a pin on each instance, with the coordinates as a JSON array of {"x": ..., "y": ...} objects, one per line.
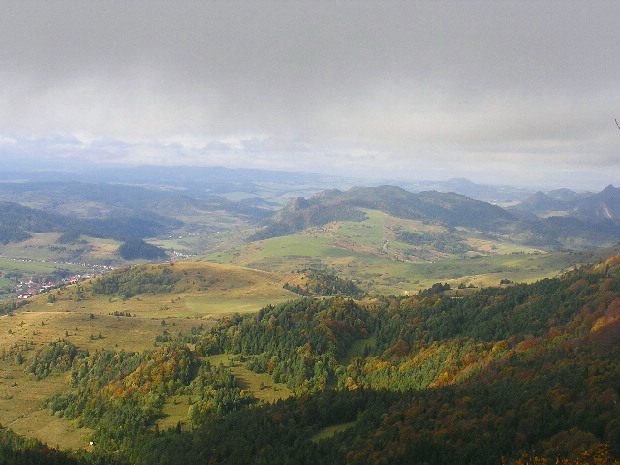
[{"x": 368, "y": 252}]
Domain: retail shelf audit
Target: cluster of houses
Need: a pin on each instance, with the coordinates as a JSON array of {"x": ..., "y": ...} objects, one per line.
[{"x": 27, "y": 289}]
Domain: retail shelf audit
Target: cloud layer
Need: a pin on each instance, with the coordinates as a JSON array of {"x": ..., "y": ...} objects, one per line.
[{"x": 521, "y": 92}]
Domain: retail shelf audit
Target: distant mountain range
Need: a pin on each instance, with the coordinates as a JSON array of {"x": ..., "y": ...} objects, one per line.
[
  {"x": 279, "y": 185},
  {"x": 156, "y": 200},
  {"x": 487, "y": 193}
]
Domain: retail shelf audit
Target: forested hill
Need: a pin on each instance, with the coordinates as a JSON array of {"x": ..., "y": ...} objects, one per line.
[
  {"x": 440, "y": 379},
  {"x": 334, "y": 205},
  {"x": 437, "y": 380},
  {"x": 451, "y": 210},
  {"x": 17, "y": 222}
]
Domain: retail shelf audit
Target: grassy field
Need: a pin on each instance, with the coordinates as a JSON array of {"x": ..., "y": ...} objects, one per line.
[
  {"x": 330, "y": 431},
  {"x": 205, "y": 290},
  {"x": 28, "y": 267},
  {"x": 20, "y": 407}
]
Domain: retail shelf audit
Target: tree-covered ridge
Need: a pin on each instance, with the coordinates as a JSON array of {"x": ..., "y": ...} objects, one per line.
[
  {"x": 324, "y": 283},
  {"x": 536, "y": 363},
  {"x": 17, "y": 222},
  {"x": 137, "y": 248},
  {"x": 135, "y": 280},
  {"x": 298, "y": 342}
]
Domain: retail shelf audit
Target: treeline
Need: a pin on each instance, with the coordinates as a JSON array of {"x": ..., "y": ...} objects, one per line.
[
  {"x": 128, "y": 282},
  {"x": 326, "y": 284},
  {"x": 120, "y": 395},
  {"x": 442, "y": 242},
  {"x": 58, "y": 355},
  {"x": 137, "y": 248},
  {"x": 8, "y": 307},
  {"x": 17, "y": 450}
]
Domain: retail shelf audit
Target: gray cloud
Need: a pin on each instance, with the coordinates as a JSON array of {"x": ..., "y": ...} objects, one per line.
[{"x": 486, "y": 88}]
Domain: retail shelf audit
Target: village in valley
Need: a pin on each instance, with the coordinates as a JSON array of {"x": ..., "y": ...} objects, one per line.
[{"x": 34, "y": 284}]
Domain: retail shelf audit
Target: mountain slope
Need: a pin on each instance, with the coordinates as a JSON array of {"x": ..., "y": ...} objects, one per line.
[
  {"x": 603, "y": 206},
  {"x": 481, "y": 379},
  {"x": 451, "y": 211},
  {"x": 334, "y": 205}
]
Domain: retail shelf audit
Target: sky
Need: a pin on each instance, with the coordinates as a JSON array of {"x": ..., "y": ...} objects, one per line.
[{"x": 520, "y": 93}]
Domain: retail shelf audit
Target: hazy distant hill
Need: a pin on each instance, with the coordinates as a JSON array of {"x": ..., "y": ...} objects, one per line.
[
  {"x": 17, "y": 222},
  {"x": 101, "y": 201},
  {"x": 192, "y": 181},
  {"x": 200, "y": 181},
  {"x": 603, "y": 206},
  {"x": 487, "y": 193},
  {"x": 566, "y": 194},
  {"x": 541, "y": 203}
]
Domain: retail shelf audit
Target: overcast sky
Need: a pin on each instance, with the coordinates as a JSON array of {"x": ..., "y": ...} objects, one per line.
[{"x": 501, "y": 92}]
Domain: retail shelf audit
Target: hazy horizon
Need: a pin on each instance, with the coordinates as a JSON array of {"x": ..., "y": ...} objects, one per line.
[{"x": 519, "y": 94}]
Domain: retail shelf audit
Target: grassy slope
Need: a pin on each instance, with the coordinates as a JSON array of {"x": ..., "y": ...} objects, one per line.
[{"x": 205, "y": 289}]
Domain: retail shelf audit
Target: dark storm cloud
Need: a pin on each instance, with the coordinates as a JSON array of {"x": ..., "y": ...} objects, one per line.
[{"x": 474, "y": 86}]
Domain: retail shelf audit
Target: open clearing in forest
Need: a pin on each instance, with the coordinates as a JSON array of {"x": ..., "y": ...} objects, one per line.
[{"x": 261, "y": 386}]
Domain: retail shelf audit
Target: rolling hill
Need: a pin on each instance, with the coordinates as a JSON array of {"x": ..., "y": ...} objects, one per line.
[
  {"x": 451, "y": 209},
  {"x": 18, "y": 223},
  {"x": 591, "y": 224},
  {"x": 96, "y": 201}
]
